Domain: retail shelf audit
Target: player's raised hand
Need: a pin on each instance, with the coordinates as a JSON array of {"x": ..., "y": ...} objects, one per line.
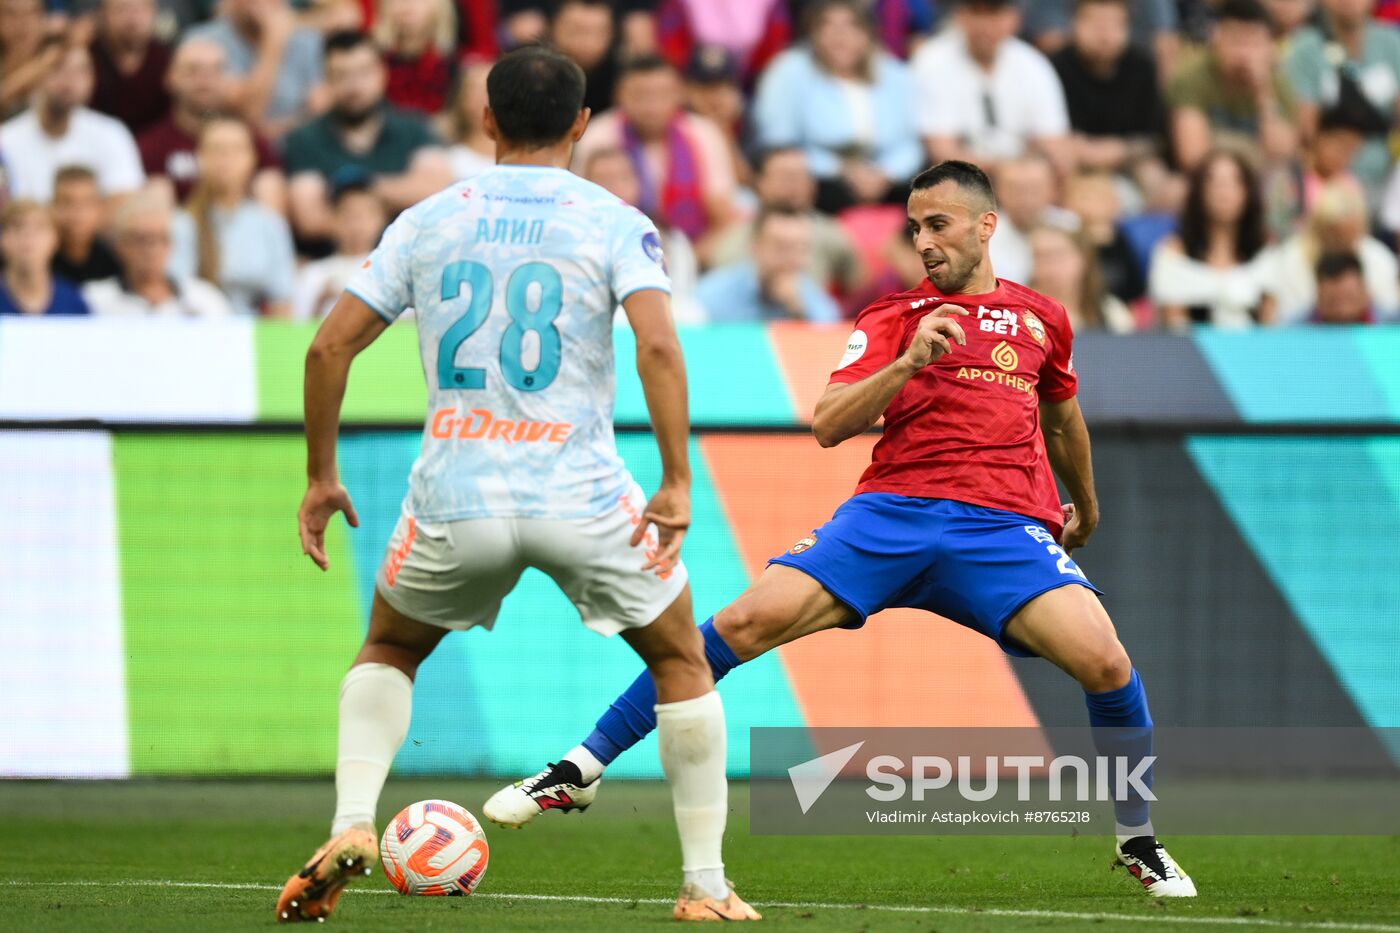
[
  {"x": 669, "y": 511},
  {"x": 322, "y": 500},
  {"x": 937, "y": 333},
  {"x": 1078, "y": 527}
]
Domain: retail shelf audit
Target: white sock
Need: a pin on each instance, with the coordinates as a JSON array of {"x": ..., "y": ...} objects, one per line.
[
  {"x": 376, "y": 703},
  {"x": 1124, "y": 833},
  {"x": 692, "y": 740},
  {"x": 589, "y": 766}
]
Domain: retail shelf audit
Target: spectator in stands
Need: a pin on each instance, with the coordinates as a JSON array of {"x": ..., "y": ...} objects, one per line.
[
  {"x": 712, "y": 91},
  {"x": 899, "y": 268},
  {"x": 525, "y": 21},
  {"x": 276, "y": 63},
  {"x": 1026, "y": 190},
  {"x": 478, "y": 38},
  {"x": 900, "y": 25},
  {"x": 59, "y": 130},
  {"x": 1351, "y": 65},
  {"x": 326, "y": 16},
  {"x": 1288, "y": 17},
  {"x": 754, "y": 30},
  {"x": 26, "y": 53},
  {"x": 28, "y": 242},
  {"x": 637, "y": 32},
  {"x": 986, "y": 96},
  {"x": 1153, "y": 27},
  {"x": 784, "y": 183},
  {"x": 224, "y": 236},
  {"x": 1342, "y": 297},
  {"x": 1115, "y": 106},
  {"x": 1336, "y": 223},
  {"x": 130, "y": 64},
  {"x": 144, "y": 286},
  {"x": 1214, "y": 271},
  {"x": 1093, "y": 198},
  {"x": 197, "y": 84},
  {"x": 175, "y": 17},
  {"x": 359, "y": 222},
  {"x": 584, "y": 31},
  {"x": 82, "y": 255},
  {"x": 776, "y": 284},
  {"x": 1390, "y": 208},
  {"x": 522, "y": 21},
  {"x": 418, "y": 40},
  {"x": 360, "y": 131},
  {"x": 686, "y": 175},
  {"x": 846, "y": 102},
  {"x": 1064, "y": 268},
  {"x": 471, "y": 150},
  {"x": 1330, "y": 155},
  {"x": 1233, "y": 93},
  {"x": 613, "y": 170}
]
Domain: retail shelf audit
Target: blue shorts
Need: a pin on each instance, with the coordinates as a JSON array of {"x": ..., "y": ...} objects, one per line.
[{"x": 973, "y": 565}]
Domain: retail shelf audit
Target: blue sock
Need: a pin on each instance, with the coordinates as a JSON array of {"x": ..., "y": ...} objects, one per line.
[
  {"x": 632, "y": 716},
  {"x": 1123, "y": 727}
]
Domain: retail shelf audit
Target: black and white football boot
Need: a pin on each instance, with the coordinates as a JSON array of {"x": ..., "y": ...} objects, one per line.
[
  {"x": 1147, "y": 860},
  {"x": 558, "y": 787}
]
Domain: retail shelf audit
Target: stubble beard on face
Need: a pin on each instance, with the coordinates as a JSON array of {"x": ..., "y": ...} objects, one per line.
[{"x": 952, "y": 279}]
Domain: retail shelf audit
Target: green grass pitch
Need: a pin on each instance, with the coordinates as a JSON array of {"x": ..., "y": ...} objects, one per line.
[{"x": 153, "y": 856}]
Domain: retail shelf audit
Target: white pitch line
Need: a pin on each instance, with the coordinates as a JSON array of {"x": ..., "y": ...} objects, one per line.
[{"x": 792, "y": 905}]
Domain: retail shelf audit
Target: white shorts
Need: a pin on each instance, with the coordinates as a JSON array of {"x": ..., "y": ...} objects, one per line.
[{"x": 455, "y": 574}]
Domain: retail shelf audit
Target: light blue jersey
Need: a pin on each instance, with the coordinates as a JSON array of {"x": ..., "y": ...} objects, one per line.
[{"x": 515, "y": 276}]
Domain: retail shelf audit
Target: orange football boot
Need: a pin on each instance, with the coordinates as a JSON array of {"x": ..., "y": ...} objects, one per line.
[
  {"x": 695, "y": 904},
  {"x": 311, "y": 893}
]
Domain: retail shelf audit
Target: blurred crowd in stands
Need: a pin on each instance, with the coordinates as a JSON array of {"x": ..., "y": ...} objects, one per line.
[{"x": 1158, "y": 163}]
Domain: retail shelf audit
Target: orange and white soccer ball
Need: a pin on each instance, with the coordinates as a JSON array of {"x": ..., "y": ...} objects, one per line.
[{"x": 434, "y": 847}]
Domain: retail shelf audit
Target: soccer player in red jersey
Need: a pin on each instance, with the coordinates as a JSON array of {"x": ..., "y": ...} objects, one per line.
[{"x": 957, "y": 514}]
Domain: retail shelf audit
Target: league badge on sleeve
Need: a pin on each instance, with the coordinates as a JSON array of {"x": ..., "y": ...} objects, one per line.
[
  {"x": 855, "y": 349},
  {"x": 803, "y": 545},
  {"x": 651, "y": 245}
]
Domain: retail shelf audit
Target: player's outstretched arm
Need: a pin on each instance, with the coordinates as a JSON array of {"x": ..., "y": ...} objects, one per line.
[
  {"x": 351, "y": 326},
  {"x": 847, "y": 410},
  {"x": 1067, "y": 444},
  {"x": 661, "y": 367}
]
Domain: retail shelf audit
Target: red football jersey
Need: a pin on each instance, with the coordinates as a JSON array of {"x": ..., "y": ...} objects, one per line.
[{"x": 967, "y": 427}]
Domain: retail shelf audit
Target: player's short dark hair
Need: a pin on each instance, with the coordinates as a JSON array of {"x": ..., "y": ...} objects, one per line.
[
  {"x": 1335, "y": 265},
  {"x": 965, "y": 175},
  {"x": 535, "y": 93},
  {"x": 1243, "y": 11},
  {"x": 643, "y": 64},
  {"x": 347, "y": 40}
]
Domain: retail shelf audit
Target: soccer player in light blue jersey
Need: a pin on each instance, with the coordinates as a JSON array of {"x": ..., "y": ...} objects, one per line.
[{"x": 514, "y": 276}]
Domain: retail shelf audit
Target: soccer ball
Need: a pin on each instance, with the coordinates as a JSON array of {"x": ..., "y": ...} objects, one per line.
[{"x": 434, "y": 847}]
